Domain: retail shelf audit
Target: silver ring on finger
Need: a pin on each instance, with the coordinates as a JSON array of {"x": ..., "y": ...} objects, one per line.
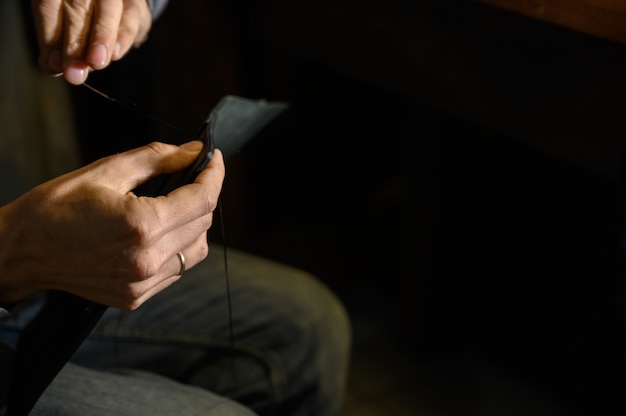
[{"x": 181, "y": 259}]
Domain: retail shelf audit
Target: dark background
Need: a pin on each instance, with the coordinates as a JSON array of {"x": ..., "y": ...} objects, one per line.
[{"x": 452, "y": 171}]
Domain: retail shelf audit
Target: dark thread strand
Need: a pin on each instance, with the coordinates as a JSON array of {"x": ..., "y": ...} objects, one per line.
[
  {"x": 133, "y": 107},
  {"x": 228, "y": 294}
]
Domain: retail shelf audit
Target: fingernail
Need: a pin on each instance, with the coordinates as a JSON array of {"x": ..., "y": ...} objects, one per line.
[
  {"x": 98, "y": 56},
  {"x": 76, "y": 73},
  {"x": 117, "y": 51},
  {"x": 192, "y": 146},
  {"x": 54, "y": 62}
]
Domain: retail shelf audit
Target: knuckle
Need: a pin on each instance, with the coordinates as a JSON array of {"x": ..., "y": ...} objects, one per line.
[
  {"x": 79, "y": 7},
  {"x": 78, "y": 33},
  {"x": 208, "y": 221},
  {"x": 76, "y": 46},
  {"x": 209, "y": 200},
  {"x": 104, "y": 28},
  {"x": 140, "y": 233},
  {"x": 160, "y": 148},
  {"x": 141, "y": 259},
  {"x": 134, "y": 305},
  {"x": 143, "y": 265},
  {"x": 203, "y": 251},
  {"x": 142, "y": 229},
  {"x": 142, "y": 224},
  {"x": 48, "y": 9},
  {"x": 133, "y": 298}
]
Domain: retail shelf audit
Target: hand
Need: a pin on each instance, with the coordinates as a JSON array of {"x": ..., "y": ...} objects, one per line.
[
  {"x": 75, "y": 36},
  {"x": 86, "y": 233}
]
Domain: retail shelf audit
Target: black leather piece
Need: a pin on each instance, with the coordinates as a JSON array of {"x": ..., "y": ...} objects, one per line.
[{"x": 46, "y": 344}]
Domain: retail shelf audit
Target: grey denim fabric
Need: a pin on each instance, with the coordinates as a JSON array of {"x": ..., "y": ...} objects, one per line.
[
  {"x": 240, "y": 119},
  {"x": 291, "y": 348},
  {"x": 157, "y": 7}
]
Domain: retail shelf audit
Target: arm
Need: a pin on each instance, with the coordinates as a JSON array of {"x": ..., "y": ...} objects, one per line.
[{"x": 86, "y": 233}]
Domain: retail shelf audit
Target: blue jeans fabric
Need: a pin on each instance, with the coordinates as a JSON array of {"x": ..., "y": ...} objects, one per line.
[{"x": 173, "y": 355}]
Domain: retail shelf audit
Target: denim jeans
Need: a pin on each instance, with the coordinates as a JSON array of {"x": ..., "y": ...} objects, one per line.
[{"x": 174, "y": 355}]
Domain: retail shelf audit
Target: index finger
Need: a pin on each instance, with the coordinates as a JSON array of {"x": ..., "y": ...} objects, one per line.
[
  {"x": 104, "y": 32},
  {"x": 77, "y": 19},
  {"x": 200, "y": 197}
]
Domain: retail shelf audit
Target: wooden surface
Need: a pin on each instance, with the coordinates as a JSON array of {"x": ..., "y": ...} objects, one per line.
[{"x": 603, "y": 18}]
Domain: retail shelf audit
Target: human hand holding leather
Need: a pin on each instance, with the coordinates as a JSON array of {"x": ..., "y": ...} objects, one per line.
[{"x": 87, "y": 233}]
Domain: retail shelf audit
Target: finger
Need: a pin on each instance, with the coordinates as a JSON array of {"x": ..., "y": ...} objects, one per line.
[
  {"x": 134, "y": 26},
  {"x": 159, "y": 287},
  {"x": 77, "y": 20},
  {"x": 193, "y": 253},
  {"x": 126, "y": 171},
  {"x": 104, "y": 30},
  {"x": 122, "y": 296},
  {"x": 170, "y": 273},
  {"x": 129, "y": 291},
  {"x": 182, "y": 230},
  {"x": 201, "y": 196},
  {"x": 48, "y": 19}
]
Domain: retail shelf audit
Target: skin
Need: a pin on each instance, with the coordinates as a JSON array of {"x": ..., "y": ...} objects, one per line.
[
  {"x": 77, "y": 36},
  {"x": 88, "y": 234}
]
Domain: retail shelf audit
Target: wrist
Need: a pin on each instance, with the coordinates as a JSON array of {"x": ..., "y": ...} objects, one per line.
[{"x": 13, "y": 286}]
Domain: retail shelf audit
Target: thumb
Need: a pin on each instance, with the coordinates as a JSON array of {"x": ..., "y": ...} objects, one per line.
[{"x": 126, "y": 171}]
